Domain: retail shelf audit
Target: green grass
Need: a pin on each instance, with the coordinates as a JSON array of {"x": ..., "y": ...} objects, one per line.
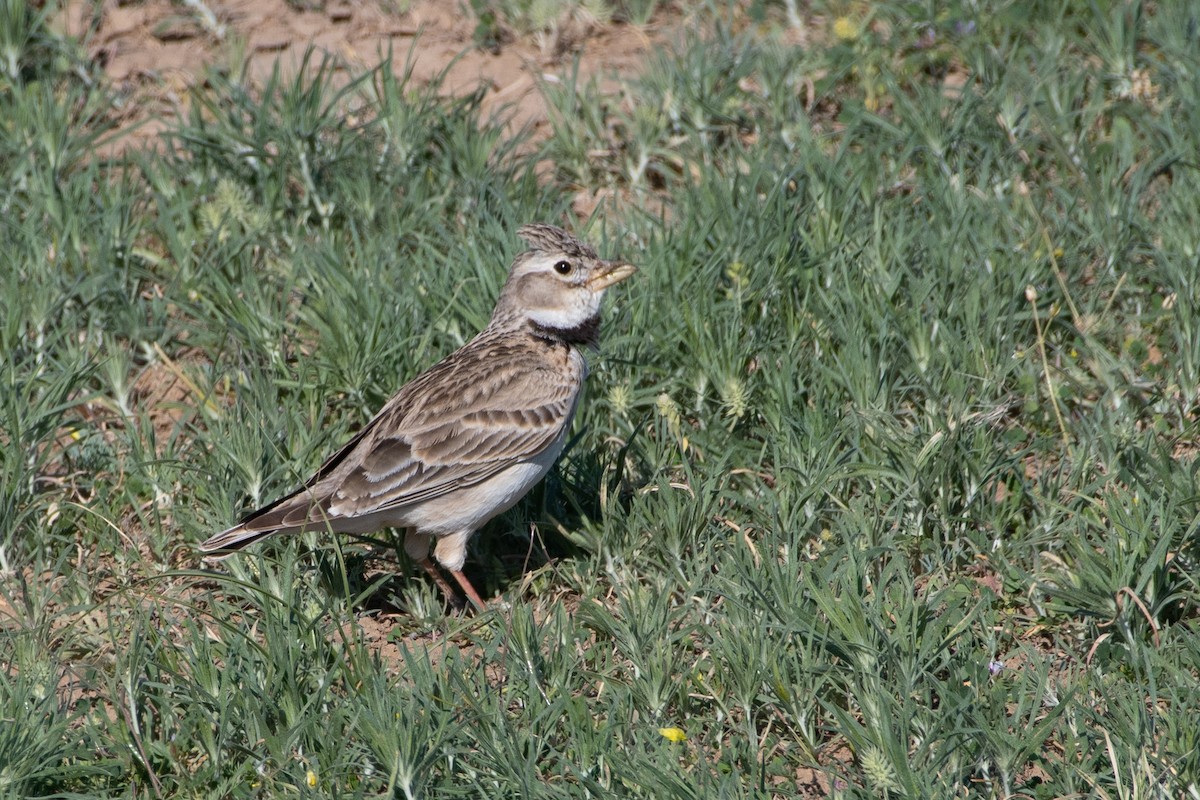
[{"x": 885, "y": 484}]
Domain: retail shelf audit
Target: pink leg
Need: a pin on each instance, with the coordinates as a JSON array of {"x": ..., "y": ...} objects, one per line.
[
  {"x": 468, "y": 589},
  {"x": 443, "y": 584}
]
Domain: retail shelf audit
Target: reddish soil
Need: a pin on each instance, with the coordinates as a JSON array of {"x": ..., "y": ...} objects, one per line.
[{"x": 155, "y": 50}]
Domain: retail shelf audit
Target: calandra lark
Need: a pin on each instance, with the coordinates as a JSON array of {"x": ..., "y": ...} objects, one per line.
[{"x": 464, "y": 441}]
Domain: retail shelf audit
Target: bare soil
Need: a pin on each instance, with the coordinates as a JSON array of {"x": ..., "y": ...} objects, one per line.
[{"x": 155, "y": 51}]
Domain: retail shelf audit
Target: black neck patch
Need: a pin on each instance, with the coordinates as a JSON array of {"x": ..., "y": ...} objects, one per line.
[{"x": 585, "y": 333}]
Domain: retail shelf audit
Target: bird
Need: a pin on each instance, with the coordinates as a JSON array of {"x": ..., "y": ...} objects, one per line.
[{"x": 462, "y": 442}]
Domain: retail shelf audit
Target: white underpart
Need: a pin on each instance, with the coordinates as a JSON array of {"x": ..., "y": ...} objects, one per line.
[{"x": 453, "y": 518}]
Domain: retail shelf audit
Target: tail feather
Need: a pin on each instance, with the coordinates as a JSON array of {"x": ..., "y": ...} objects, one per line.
[
  {"x": 290, "y": 514},
  {"x": 228, "y": 542}
]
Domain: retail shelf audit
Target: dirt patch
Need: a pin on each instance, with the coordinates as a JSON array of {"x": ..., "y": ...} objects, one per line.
[{"x": 155, "y": 51}]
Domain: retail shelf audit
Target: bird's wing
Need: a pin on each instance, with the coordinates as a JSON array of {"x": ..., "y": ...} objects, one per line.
[
  {"x": 465, "y": 420},
  {"x": 435, "y": 444}
]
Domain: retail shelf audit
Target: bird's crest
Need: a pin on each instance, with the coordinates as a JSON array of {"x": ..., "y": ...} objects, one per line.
[{"x": 549, "y": 239}]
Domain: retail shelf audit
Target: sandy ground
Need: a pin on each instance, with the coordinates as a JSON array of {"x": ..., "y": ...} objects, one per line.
[{"x": 155, "y": 50}]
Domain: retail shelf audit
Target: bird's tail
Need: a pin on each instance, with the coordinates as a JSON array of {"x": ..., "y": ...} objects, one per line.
[
  {"x": 228, "y": 542},
  {"x": 291, "y": 514}
]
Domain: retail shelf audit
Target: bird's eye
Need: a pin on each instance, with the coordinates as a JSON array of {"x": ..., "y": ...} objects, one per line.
[{"x": 563, "y": 267}]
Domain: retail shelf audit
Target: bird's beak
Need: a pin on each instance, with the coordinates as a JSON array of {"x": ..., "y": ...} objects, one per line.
[{"x": 613, "y": 272}]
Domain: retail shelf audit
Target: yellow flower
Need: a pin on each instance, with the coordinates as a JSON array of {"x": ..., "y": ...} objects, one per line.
[
  {"x": 311, "y": 779},
  {"x": 675, "y": 735},
  {"x": 845, "y": 29}
]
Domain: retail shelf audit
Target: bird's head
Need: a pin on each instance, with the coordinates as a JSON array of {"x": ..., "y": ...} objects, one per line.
[{"x": 557, "y": 284}]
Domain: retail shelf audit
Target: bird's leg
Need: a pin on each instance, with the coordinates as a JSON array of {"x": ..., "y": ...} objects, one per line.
[
  {"x": 417, "y": 546},
  {"x": 440, "y": 579},
  {"x": 468, "y": 589},
  {"x": 451, "y": 551}
]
